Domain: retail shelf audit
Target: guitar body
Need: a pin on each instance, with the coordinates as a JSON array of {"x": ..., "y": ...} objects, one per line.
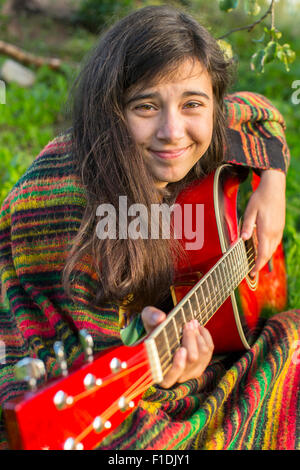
[
  {"x": 224, "y": 194},
  {"x": 79, "y": 410}
]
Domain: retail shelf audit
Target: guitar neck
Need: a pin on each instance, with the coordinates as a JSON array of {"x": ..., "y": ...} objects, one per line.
[{"x": 201, "y": 303}]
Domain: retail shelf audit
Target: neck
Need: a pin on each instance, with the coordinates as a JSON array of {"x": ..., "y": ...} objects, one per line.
[{"x": 201, "y": 303}]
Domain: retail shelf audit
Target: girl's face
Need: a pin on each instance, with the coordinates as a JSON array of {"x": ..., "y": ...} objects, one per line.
[{"x": 172, "y": 121}]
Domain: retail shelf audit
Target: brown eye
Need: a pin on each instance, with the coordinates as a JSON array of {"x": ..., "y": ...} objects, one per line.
[
  {"x": 145, "y": 107},
  {"x": 193, "y": 104}
]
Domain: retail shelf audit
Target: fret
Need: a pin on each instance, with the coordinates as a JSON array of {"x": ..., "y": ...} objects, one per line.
[
  {"x": 194, "y": 305},
  {"x": 237, "y": 264},
  {"x": 239, "y": 267},
  {"x": 213, "y": 295},
  {"x": 202, "y": 299},
  {"x": 183, "y": 322},
  {"x": 206, "y": 301},
  {"x": 175, "y": 329},
  {"x": 231, "y": 264},
  {"x": 168, "y": 349},
  {"x": 197, "y": 302},
  {"x": 227, "y": 272},
  {"x": 217, "y": 272},
  {"x": 205, "y": 291},
  {"x": 187, "y": 312},
  {"x": 172, "y": 336},
  {"x": 215, "y": 284},
  {"x": 160, "y": 341},
  {"x": 243, "y": 257},
  {"x": 246, "y": 255},
  {"x": 224, "y": 290}
]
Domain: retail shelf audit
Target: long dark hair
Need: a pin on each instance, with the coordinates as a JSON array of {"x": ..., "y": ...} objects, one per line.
[{"x": 142, "y": 47}]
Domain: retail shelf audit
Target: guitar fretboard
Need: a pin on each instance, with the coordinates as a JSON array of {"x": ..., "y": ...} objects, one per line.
[{"x": 201, "y": 303}]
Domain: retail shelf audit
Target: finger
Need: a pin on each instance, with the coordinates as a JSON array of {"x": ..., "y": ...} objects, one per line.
[
  {"x": 152, "y": 317},
  {"x": 207, "y": 337},
  {"x": 249, "y": 222},
  {"x": 189, "y": 340},
  {"x": 176, "y": 370},
  {"x": 263, "y": 255}
]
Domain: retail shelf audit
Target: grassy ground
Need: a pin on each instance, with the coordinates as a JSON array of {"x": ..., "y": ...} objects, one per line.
[{"x": 31, "y": 117}]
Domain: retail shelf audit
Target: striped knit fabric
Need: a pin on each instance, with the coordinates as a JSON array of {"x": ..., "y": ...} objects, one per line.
[
  {"x": 237, "y": 403},
  {"x": 255, "y": 132},
  {"x": 251, "y": 402}
]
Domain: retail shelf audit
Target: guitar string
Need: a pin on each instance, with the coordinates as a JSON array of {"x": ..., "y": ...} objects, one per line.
[
  {"x": 167, "y": 356},
  {"x": 107, "y": 381},
  {"x": 114, "y": 406},
  {"x": 108, "y": 414},
  {"x": 138, "y": 387},
  {"x": 137, "y": 392},
  {"x": 167, "y": 353},
  {"x": 207, "y": 315},
  {"x": 220, "y": 291}
]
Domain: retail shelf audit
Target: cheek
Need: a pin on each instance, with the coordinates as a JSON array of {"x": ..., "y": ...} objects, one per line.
[
  {"x": 203, "y": 131},
  {"x": 140, "y": 129}
]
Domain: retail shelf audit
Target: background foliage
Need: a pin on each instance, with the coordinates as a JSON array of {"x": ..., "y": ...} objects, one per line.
[{"x": 33, "y": 116}]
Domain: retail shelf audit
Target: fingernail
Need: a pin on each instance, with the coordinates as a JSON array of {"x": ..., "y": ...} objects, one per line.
[
  {"x": 182, "y": 353},
  {"x": 156, "y": 317}
]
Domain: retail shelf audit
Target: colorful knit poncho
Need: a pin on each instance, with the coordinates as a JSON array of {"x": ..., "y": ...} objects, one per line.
[{"x": 250, "y": 401}]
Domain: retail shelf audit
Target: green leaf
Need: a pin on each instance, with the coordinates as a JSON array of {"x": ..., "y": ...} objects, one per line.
[
  {"x": 270, "y": 50},
  {"x": 226, "y": 48},
  {"x": 258, "y": 61},
  {"x": 291, "y": 55},
  {"x": 260, "y": 39},
  {"x": 252, "y": 7},
  {"x": 286, "y": 55},
  {"x": 228, "y": 5}
]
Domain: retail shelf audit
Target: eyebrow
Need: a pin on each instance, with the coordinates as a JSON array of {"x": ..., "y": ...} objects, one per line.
[{"x": 143, "y": 96}]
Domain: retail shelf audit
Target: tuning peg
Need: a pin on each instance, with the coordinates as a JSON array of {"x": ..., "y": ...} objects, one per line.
[
  {"x": 60, "y": 357},
  {"x": 29, "y": 370},
  {"x": 87, "y": 344}
]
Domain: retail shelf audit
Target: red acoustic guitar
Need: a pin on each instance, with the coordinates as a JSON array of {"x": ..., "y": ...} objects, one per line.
[{"x": 212, "y": 285}]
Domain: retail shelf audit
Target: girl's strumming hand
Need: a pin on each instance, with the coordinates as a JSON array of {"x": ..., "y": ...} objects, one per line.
[
  {"x": 266, "y": 210},
  {"x": 194, "y": 354}
]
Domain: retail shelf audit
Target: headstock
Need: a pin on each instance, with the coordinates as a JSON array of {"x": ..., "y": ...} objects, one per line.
[{"x": 78, "y": 410}]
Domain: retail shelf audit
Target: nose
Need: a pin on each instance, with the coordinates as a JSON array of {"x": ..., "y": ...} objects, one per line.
[{"x": 171, "y": 126}]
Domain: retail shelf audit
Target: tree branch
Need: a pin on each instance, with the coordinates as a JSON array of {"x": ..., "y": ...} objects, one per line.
[
  {"x": 28, "y": 58},
  {"x": 250, "y": 27}
]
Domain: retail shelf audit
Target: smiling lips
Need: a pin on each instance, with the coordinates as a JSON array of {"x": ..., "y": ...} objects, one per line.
[{"x": 170, "y": 154}]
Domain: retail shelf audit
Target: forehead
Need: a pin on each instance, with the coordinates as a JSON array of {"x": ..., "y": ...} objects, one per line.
[{"x": 188, "y": 72}]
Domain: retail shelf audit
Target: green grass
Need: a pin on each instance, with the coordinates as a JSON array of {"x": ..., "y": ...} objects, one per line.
[{"x": 28, "y": 120}]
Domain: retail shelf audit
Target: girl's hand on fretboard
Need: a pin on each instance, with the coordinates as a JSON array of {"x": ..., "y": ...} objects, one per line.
[{"x": 195, "y": 353}]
